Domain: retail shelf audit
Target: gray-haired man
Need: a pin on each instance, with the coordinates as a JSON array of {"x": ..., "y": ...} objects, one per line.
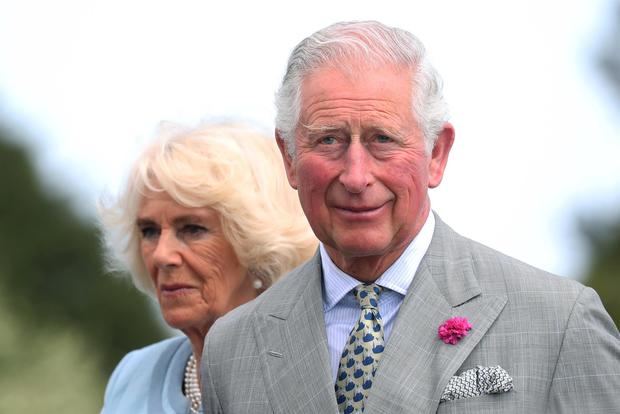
[{"x": 397, "y": 313}]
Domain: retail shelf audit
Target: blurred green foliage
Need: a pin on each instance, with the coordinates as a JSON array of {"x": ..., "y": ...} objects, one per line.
[
  {"x": 604, "y": 270},
  {"x": 603, "y": 235},
  {"x": 65, "y": 323},
  {"x": 46, "y": 368}
]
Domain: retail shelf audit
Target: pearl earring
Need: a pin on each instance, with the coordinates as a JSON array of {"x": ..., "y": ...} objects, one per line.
[{"x": 257, "y": 284}]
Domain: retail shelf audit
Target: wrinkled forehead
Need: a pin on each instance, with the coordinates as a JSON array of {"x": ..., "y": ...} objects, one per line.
[
  {"x": 356, "y": 84},
  {"x": 356, "y": 63}
]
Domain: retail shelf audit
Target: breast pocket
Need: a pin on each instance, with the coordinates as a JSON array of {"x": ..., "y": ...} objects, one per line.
[{"x": 488, "y": 403}]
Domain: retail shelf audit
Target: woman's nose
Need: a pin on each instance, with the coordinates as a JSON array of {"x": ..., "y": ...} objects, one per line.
[{"x": 167, "y": 253}]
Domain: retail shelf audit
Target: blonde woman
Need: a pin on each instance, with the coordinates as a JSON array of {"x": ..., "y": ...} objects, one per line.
[{"x": 205, "y": 223}]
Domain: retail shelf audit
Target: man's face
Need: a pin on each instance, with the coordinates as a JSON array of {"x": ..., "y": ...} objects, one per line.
[{"x": 360, "y": 165}]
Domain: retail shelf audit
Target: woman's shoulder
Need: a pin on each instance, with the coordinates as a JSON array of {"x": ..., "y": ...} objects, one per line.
[
  {"x": 160, "y": 349},
  {"x": 142, "y": 371},
  {"x": 144, "y": 359}
]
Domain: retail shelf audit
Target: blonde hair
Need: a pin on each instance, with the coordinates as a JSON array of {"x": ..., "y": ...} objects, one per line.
[{"x": 229, "y": 168}]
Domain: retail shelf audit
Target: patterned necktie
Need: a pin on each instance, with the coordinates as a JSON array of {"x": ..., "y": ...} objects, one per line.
[{"x": 361, "y": 354}]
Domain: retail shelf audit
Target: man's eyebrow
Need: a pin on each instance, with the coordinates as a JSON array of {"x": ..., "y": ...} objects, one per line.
[
  {"x": 376, "y": 128},
  {"x": 321, "y": 128},
  {"x": 383, "y": 128}
]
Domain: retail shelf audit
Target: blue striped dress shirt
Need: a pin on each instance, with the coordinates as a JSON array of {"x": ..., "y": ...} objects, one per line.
[{"x": 342, "y": 311}]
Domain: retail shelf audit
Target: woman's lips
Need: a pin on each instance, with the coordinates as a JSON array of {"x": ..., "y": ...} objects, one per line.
[{"x": 175, "y": 290}]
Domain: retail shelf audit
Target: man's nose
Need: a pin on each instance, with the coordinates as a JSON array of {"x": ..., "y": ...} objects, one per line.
[
  {"x": 356, "y": 174},
  {"x": 167, "y": 252}
]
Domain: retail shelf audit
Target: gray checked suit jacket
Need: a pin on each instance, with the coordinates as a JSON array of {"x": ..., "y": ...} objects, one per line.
[{"x": 552, "y": 335}]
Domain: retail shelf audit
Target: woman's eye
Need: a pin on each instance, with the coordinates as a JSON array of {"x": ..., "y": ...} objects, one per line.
[
  {"x": 193, "y": 230},
  {"x": 149, "y": 232}
]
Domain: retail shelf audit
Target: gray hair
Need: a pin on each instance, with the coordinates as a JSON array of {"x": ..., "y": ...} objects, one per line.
[{"x": 377, "y": 44}]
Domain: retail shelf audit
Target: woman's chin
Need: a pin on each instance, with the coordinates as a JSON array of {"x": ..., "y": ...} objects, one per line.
[{"x": 184, "y": 319}]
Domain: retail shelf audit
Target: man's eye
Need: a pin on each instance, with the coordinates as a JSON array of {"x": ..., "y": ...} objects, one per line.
[
  {"x": 383, "y": 139},
  {"x": 328, "y": 140}
]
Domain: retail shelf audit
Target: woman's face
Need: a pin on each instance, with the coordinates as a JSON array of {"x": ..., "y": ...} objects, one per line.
[{"x": 194, "y": 269}]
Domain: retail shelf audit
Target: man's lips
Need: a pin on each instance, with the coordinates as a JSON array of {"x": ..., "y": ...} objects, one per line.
[
  {"x": 356, "y": 212},
  {"x": 356, "y": 209},
  {"x": 360, "y": 208}
]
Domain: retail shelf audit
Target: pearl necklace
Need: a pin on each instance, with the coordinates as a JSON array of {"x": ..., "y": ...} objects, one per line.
[{"x": 192, "y": 389}]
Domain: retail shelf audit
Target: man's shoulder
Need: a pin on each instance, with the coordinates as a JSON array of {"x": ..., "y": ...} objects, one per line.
[
  {"x": 528, "y": 290},
  {"x": 497, "y": 270},
  {"x": 534, "y": 297},
  {"x": 489, "y": 264}
]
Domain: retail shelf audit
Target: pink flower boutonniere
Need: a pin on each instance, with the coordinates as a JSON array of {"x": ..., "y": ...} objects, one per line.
[{"x": 453, "y": 330}]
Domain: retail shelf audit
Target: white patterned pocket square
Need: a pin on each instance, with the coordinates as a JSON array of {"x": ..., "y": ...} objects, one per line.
[{"x": 477, "y": 381}]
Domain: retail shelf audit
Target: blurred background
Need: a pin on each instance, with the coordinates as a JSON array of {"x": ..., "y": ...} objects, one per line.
[{"x": 534, "y": 89}]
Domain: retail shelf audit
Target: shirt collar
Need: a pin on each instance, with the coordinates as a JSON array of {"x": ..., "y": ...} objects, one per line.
[{"x": 397, "y": 277}]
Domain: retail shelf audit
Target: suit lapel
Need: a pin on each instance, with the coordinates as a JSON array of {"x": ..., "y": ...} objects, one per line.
[
  {"x": 291, "y": 337},
  {"x": 416, "y": 365}
]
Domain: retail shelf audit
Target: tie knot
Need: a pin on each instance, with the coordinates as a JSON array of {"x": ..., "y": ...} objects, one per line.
[{"x": 367, "y": 295}]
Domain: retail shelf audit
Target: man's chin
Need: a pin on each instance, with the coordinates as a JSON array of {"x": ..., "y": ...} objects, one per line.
[{"x": 358, "y": 247}]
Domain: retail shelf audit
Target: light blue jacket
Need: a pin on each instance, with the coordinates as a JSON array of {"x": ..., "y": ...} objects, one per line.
[{"x": 149, "y": 380}]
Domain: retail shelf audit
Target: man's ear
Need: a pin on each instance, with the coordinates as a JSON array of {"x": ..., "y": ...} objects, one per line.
[
  {"x": 439, "y": 156},
  {"x": 289, "y": 166}
]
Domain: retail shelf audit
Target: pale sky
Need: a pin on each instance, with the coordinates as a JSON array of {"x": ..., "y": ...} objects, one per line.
[{"x": 537, "y": 134}]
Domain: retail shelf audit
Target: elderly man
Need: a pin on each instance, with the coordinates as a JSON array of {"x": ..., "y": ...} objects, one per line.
[{"x": 397, "y": 313}]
